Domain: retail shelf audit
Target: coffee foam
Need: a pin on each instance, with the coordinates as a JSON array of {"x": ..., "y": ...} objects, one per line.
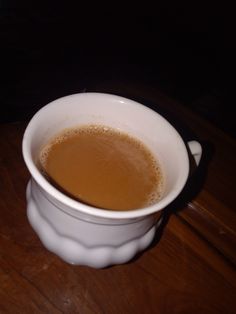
[
  {"x": 65, "y": 134},
  {"x": 154, "y": 196}
]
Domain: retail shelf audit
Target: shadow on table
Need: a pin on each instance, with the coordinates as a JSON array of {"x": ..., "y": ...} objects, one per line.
[{"x": 193, "y": 186}]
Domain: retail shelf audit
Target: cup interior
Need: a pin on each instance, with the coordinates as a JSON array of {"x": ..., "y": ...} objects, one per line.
[{"x": 117, "y": 112}]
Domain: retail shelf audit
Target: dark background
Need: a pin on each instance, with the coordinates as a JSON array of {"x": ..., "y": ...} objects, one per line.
[{"x": 53, "y": 51}]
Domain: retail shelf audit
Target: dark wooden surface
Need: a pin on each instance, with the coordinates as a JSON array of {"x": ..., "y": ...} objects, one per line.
[{"x": 190, "y": 268}]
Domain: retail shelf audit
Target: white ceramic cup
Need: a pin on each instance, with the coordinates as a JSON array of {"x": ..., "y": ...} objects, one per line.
[{"x": 82, "y": 234}]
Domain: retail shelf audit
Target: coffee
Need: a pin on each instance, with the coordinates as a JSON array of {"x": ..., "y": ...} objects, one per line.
[{"x": 102, "y": 167}]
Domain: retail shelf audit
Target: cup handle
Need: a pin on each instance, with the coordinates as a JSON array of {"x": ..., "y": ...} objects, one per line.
[{"x": 196, "y": 150}]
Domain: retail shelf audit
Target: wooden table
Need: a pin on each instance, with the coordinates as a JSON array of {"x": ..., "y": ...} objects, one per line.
[{"x": 190, "y": 268}]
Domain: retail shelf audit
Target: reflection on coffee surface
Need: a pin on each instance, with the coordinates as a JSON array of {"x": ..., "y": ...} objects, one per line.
[{"x": 102, "y": 167}]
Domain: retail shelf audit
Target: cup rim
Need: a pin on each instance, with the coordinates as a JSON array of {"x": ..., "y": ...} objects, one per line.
[{"x": 87, "y": 209}]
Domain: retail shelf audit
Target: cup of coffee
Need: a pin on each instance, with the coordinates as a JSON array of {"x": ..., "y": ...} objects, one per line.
[{"x": 103, "y": 168}]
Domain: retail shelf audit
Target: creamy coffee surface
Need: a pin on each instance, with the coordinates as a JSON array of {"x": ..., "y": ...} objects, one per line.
[{"x": 102, "y": 167}]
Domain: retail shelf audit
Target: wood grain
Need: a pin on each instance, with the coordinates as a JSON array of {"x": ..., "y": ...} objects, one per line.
[{"x": 190, "y": 268}]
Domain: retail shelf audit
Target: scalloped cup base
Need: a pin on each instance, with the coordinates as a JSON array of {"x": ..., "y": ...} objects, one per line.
[{"x": 91, "y": 242}]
